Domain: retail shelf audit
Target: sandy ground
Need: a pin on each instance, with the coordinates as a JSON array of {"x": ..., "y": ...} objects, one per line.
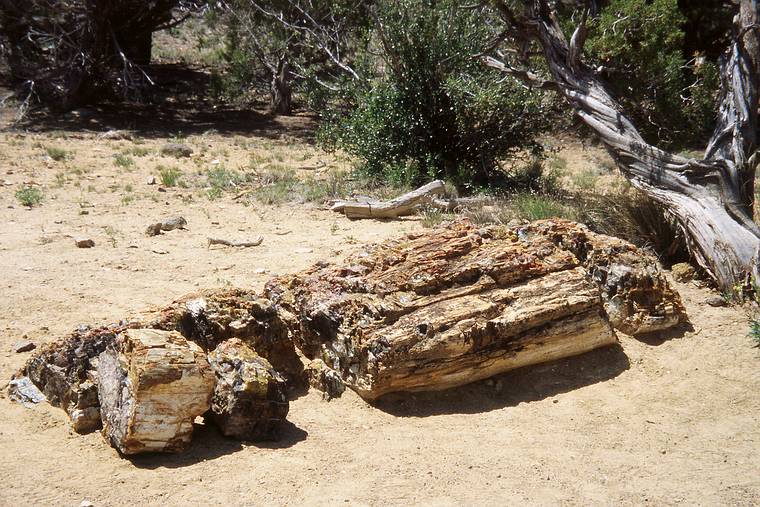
[{"x": 670, "y": 420}]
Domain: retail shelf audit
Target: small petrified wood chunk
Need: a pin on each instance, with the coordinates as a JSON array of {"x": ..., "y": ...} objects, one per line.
[
  {"x": 250, "y": 398},
  {"x": 65, "y": 371},
  {"x": 152, "y": 385}
]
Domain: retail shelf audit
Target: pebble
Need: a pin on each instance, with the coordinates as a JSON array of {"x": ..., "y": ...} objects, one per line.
[
  {"x": 23, "y": 346},
  {"x": 716, "y": 301},
  {"x": 84, "y": 242},
  {"x": 151, "y": 180}
]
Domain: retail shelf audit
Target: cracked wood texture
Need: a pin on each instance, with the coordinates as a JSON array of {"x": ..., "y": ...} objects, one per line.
[
  {"x": 152, "y": 386},
  {"x": 712, "y": 198},
  {"x": 442, "y": 308}
]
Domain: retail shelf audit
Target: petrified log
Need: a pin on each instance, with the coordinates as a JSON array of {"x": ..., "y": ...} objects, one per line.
[
  {"x": 152, "y": 385},
  {"x": 250, "y": 398},
  {"x": 443, "y": 308}
]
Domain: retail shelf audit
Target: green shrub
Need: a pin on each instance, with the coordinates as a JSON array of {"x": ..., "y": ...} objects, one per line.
[
  {"x": 57, "y": 154},
  {"x": 434, "y": 111},
  {"x": 640, "y": 46},
  {"x": 124, "y": 161},
  {"x": 29, "y": 196},
  {"x": 170, "y": 176}
]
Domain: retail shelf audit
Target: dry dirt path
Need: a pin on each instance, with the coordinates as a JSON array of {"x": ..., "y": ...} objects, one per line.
[{"x": 660, "y": 422}]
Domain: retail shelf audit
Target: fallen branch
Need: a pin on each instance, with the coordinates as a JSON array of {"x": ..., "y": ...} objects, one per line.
[
  {"x": 243, "y": 244},
  {"x": 407, "y": 204},
  {"x": 400, "y": 206}
]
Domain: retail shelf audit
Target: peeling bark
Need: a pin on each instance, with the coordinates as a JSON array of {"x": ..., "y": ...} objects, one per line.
[{"x": 712, "y": 198}]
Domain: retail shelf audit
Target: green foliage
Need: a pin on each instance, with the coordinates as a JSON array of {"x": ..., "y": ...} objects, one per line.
[
  {"x": 170, "y": 176},
  {"x": 29, "y": 196},
  {"x": 640, "y": 45},
  {"x": 220, "y": 179},
  {"x": 124, "y": 161},
  {"x": 57, "y": 154},
  {"x": 431, "y": 110}
]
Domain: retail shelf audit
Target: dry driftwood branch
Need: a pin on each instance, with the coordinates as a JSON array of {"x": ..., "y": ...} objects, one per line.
[
  {"x": 243, "y": 244},
  {"x": 712, "y": 198},
  {"x": 403, "y": 205}
]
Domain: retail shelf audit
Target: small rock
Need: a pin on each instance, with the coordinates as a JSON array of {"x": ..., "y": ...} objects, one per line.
[
  {"x": 683, "y": 272},
  {"x": 161, "y": 189},
  {"x": 84, "y": 242},
  {"x": 303, "y": 250},
  {"x": 716, "y": 301},
  {"x": 260, "y": 271},
  {"x": 22, "y": 390},
  {"x": 23, "y": 346},
  {"x": 168, "y": 224},
  {"x": 7, "y": 183},
  {"x": 176, "y": 150},
  {"x": 86, "y": 503},
  {"x": 151, "y": 180},
  {"x": 116, "y": 135}
]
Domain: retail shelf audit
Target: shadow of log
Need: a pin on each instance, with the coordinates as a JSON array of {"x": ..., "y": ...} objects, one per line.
[
  {"x": 209, "y": 444},
  {"x": 532, "y": 383},
  {"x": 658, "y": 338}
]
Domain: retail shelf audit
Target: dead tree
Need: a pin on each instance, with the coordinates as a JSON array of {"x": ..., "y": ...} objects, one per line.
[{"x": 712, "y": 198}]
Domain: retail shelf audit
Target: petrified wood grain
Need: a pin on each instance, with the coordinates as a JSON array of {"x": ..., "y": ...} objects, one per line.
[
  {"x": 250, "y": 398},
  {"x": 152, "y": 385},
  {"x": 442, "y": 308}
]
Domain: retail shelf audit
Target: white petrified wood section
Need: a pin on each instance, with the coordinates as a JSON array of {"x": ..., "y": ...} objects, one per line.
[{"x": 152, "y": 385}]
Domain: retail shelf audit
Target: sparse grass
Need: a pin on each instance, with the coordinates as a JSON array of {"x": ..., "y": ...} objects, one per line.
[
  {"x": 585, "y": 180},
  {"x": 754, "y": 331},
  {"x": 170, "y": 176},
  {"x": 432, "y": 217},
  {"x": 60, "y": 180},
  {"x": 111, "y": 234},
  {"x": 123, "y": 161},
  {"x": 57, "y": 154},
  {"x": 220, "y": 179},
  {"x": 137, "y": 151},
  {"x": 539, "y": 207},
  {"x": 29, "y": 196},
  {"x": 127, "y": 199}
]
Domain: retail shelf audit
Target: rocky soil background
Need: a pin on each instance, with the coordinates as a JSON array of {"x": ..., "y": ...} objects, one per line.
[{"x": 670, "y": 419}]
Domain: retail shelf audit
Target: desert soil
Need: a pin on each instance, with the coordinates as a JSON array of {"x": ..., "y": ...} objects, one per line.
[{"x": 668, "y": 420}]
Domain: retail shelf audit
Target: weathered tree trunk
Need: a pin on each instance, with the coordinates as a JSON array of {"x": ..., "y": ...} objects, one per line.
[
  {"x": 281, "y": 90},
  {"x": 440, "y": 309},
  {"x": 712, "y": 199}
]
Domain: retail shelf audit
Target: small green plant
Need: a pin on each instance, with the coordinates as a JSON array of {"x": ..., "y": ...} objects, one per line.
[
  {"x": 111, "y": 233},
  {"x": 539, "y": 207},
  {"x": 754, "y": 330},
  {"x": 60, "y": 180},
  {"x": 57, "y": 154},
  {"x": 137, "y": 151},
  {"x": 124, "y": 161},
  {"x": 29, "y": 196},
  {"x": 127, "y": 199},
  {"x": 220, "y": 179},
  {"x": 170, "y": 176}
]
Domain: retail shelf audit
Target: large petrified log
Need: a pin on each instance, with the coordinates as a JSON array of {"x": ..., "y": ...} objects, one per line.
[
  {"x": 152, "y": 385},
  {"x": 427, "y": 311},
  {"x": 250, "y": 398},
  {"x": 438, "y": 309}
]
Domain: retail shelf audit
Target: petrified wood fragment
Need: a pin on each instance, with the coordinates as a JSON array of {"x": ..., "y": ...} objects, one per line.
[
  {"x": 250, "y": 398},
  {"x": 66, "y": 373},
  {"x": 446, "y": 307},
  {"x": 152, "y": 385}
]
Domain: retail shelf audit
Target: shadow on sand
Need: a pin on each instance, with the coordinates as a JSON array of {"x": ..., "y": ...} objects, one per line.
[
  {"x": 531, "y": 383},
  {"x": 179, "y": 105},
  {"x": 209, "y": 443}
]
